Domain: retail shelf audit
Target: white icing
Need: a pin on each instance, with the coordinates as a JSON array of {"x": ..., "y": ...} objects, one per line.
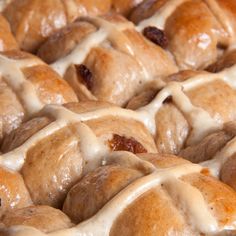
[
  {"x": 92, "y": 156},
  {"x": 160, "y": 17},
  {"x": 229, "y": 76},
  {"x": 78, "y": 55},
  {"x": 11, "y": 73},
  {"x": 193, "y": 204}
]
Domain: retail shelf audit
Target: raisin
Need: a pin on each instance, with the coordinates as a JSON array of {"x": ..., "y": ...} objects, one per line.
[
  {"x": 156, "y": 35},
  {"x": 86, "y": 75},
  {"x": 121, "y": 143},
  {"x": 168, "y": 99}
]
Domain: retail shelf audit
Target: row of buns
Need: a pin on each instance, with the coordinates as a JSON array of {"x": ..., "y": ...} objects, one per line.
[{"x": 117, "y": 117}]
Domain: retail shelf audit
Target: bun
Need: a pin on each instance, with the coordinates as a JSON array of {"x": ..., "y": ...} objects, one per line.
[{"x": 205, "y": 28}]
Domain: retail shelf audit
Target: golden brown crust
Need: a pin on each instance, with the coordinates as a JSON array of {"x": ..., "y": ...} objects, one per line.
[
  {"x": 151, "y": 89},
  {"x": 142, "y": 99},
  {"x": 48, "y": 84},
  {"x": 57, "y": 169},
  {"x": 209, "y": 148},
  {"x": 27, "y": 23},
  {"x": 213, "y": 98},
  {"x": 198, "y": 31},
  {"x": 183, "y": 75},
  {"x": 50, "y": 88},
  {"x": 229, "y": 10},
  {"x": 162, "y": 160},
  {"x": 44, "y": 218},
  {"x": 107, "y": 126},
  {"x": 13, "y": 192},
  {"x": 87, "y": 106}
]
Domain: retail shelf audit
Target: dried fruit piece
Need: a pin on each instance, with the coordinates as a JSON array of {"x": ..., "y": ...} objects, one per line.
[{"x": 156, "y": 35}]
